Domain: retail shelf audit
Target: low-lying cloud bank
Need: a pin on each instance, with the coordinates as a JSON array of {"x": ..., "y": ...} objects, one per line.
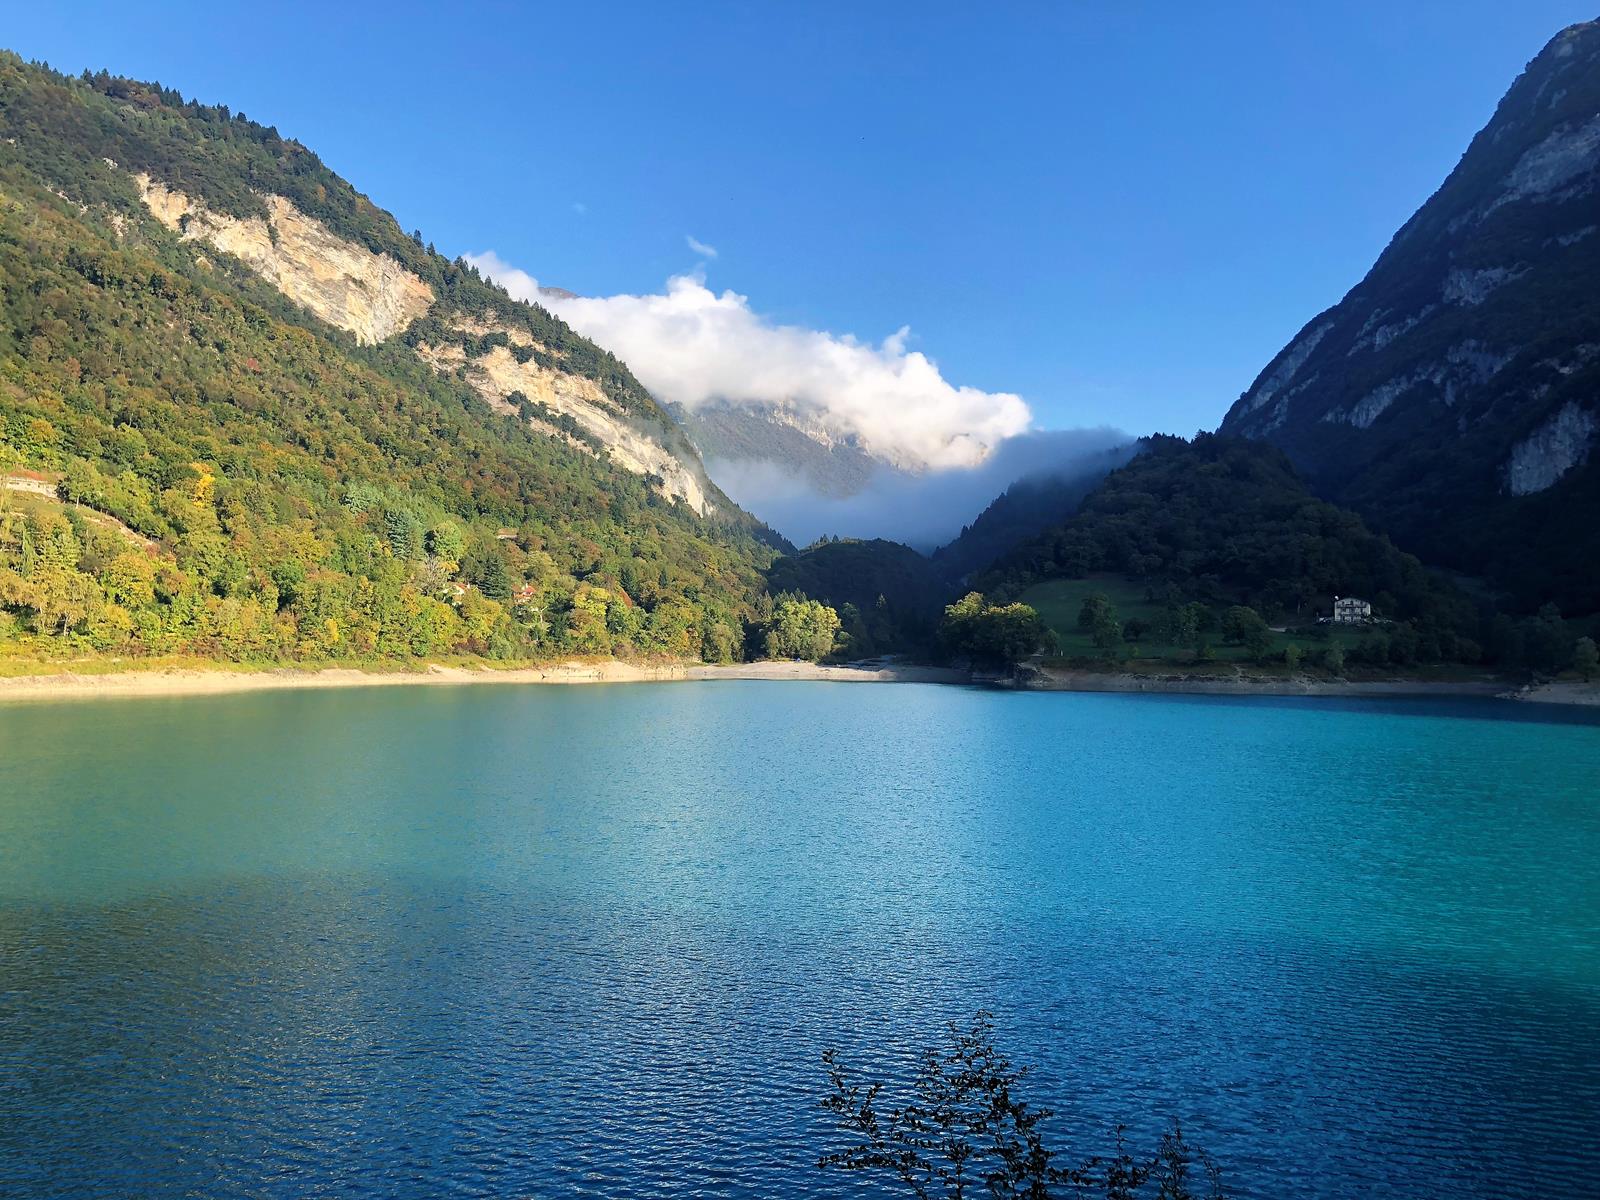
[
  {"x": 926, "y": 510},
  {"x": 956, "y": 448},
  {"x": 692, "y": 346}
]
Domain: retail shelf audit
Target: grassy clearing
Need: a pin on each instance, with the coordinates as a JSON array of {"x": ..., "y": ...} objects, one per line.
[
  {"x": 1058, "y": 602},
  {"x": 25, "y": 502}
]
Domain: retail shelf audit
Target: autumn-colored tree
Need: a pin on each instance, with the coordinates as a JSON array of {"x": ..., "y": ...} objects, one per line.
[
  {"x": 800, "y": 628},
  {"x": 990, "y": 635}
]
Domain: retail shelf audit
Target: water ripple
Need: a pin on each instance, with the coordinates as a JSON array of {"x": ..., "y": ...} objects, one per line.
[{"x": 493, "y": 944}]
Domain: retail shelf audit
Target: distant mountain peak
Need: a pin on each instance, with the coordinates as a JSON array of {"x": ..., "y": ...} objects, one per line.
[{"x": 799, "y": 441}]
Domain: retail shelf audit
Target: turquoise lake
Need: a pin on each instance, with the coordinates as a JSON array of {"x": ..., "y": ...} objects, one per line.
[{"x": 516, "y": 942}]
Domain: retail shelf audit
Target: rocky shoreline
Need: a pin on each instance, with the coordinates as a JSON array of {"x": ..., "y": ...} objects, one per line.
[{"x": 1052, "y": 679}]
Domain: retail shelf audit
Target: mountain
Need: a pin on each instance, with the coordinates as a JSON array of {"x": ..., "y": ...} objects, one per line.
[
  {"x": 1227, "y": 521},
  {"x": 248, "y": 416},
  {"x": 737, "y": 439},
  {"x": 1453, "y": 396},
  {"x": 1027, "y": 508}
]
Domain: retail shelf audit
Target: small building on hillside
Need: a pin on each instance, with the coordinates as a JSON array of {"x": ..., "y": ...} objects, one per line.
[{"x": 1347, "y": 610}]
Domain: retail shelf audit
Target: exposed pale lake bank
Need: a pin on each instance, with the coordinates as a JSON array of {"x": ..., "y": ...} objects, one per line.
[
  {"x": 195, "y": 682},
  {"x": 134, "y": 681}
]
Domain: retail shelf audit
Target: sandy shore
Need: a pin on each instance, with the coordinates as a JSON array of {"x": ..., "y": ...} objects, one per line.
[
  {"x": 206, "y": 683},
  {"x": 897, "y": 673},
  {"x": 193, "y": 682}
]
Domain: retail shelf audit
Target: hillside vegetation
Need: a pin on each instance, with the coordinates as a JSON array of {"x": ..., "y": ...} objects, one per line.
[
  {"x": 887, "y": 595},
  {"x": 303, "y": 496},
  {"x": 1145, "y": 627},
  {"x": 1190, "y": 531},
  {"x": 1024, "y": 510}
]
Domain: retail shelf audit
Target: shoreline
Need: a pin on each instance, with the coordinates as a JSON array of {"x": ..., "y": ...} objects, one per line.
[
  {"x": 199, "y": 681},
  {"x": 1067, "y": 680}
]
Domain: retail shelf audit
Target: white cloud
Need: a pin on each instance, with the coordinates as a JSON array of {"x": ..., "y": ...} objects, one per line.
[
  {"x": 518, "y": 282},
  {"x": 694, "y": 346},
  {"x": 579, "y": 207},
  {"x": 699, "y": 247}
]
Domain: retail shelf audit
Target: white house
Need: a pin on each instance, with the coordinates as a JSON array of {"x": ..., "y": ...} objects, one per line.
[{"x": 1347, "y": 610}]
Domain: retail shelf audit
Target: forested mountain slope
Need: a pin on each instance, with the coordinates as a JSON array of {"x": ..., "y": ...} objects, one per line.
[
  {"x": 1224, "y": 521},
  {"x": 336, "y": 442},
  {"x": 1027, "y": 508},
  {"x": 1453, "y": 397},
  {"x": 888, "y": 596}
]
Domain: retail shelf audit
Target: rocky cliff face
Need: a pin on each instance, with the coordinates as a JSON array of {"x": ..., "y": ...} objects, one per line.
[
  {"x": 1454, "y": 395},
  {"x": 504, "y": 379},
  {"x": 374, "y": 297},
  {"x": 348, "y": 286}
]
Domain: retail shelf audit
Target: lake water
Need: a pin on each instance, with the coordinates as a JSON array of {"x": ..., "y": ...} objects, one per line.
[{"x": 591, "y": 941}]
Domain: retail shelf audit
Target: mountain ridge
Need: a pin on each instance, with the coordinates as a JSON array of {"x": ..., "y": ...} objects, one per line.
[
  {"x": 1450, "y": 395},
  {"x": 243, "y": 189},
  {"x": 209, "y": 336}
]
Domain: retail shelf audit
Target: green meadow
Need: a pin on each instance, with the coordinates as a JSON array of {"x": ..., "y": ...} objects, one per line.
[{"x": 1058, "y": 602}]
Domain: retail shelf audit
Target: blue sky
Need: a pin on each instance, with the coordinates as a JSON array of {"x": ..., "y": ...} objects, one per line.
[{"x": 1118, "y": 210}]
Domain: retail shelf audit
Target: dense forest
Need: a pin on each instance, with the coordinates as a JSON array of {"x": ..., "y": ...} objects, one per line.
[
  {"x": 887, "y": 595},
  {"x": 1195, "y": 550},
  {"x": 1024, "y": 510},
  {"x": 238, "y": 480},
  {"x": 1223, "y": 523}
]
